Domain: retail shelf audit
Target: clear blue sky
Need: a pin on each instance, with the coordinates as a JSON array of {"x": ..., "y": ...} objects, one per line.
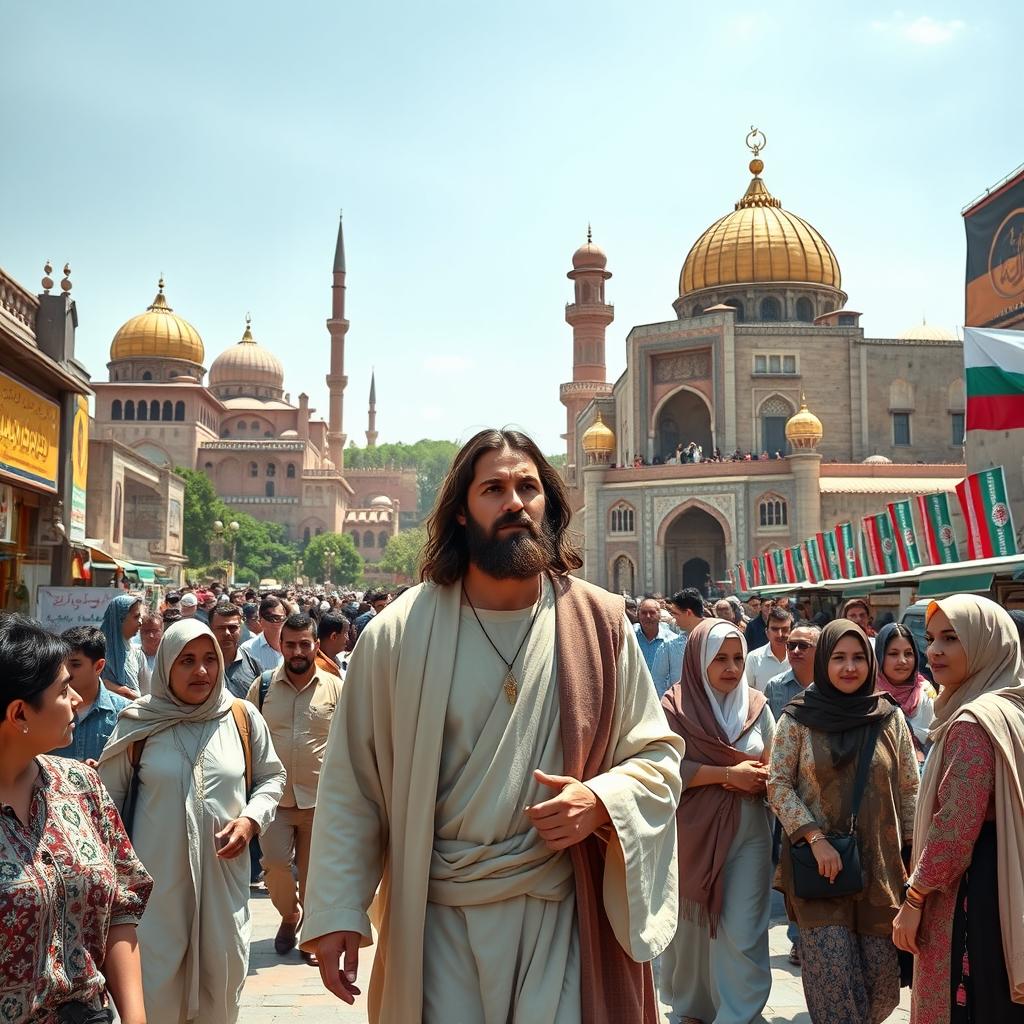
[{"x": 469, "y": 144}]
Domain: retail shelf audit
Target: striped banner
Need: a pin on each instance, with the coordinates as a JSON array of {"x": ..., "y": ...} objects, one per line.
[
  {"x": 994, "y": 372},
  {"x": 796, "y": 554},
  {"x": 901, "y": 517},
  {"x": 741, "y": 576},
  {"x": 756, "y": 572},
  {"x": 813, "y": 560},
  {"x": 881, "y": 544},
  {"x": 780, "y": 566},
  {"x": 937, "y": 528},
  {"x": 987, "y": 514},
  {"x": 846, "y": 550},
  {"x": 828, "y": 541}
]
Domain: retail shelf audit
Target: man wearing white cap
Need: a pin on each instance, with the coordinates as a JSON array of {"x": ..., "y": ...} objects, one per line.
[{"x": 188, "y": 605}]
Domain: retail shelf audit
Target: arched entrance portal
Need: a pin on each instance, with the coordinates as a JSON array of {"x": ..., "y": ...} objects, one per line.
[
  {"x": 685, "y": 417},
  {"x": 694, "y": 551}
]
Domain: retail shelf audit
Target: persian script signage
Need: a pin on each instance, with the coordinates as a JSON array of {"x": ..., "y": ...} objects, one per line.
[
  {"x": 79, "y": 469},
  {"x": 60, "y": 608},
  {"x": 29, "y": 435},
  {"x": 681, "y": 366}
]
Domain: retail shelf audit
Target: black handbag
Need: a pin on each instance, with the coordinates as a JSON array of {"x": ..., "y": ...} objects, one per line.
[{"x": 808, "y": 883}]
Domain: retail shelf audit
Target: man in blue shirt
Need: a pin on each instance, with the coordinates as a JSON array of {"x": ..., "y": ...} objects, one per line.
[
  {"x": 650, "y": 632},
  {"x": 687, "y": 608},
  {"x": 97, "y": 713}
]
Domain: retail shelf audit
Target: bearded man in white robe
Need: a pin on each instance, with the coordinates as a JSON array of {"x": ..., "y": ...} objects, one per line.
[{"x": 500, "y": 766}]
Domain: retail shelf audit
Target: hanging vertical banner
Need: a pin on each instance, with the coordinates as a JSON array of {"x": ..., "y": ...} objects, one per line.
[
  {"x": 768, "y": 570},
  {"x": 756, "y": 572},
  {"x": 812, "y": 560},
  {"x": 901, "y": 517},
  {"x": 828, "y": 542},
  {"x": 937, "y": 528},
  {"x": 846, "y": 549},
  {"x": 881, "y": 544},
  {"x": 796, "y": 557},
  {"x": 987, "y": 514},
  {"x": 741, "y": 576},
  {"x": 779, "y": 562},
  {"x": 789, "y": 565},
  {"x": 79, "y": 469}
]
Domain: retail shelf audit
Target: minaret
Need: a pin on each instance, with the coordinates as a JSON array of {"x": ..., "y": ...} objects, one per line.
[
  {"x": 336, "y": 379},
  {"x": 371, "y": 422},
  {"x": 589, "y": 317}
]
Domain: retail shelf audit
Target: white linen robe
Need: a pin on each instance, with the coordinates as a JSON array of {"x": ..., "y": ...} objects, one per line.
[
  {"x": 427, "y": 782},
  {"x": 188, "y": 877}
]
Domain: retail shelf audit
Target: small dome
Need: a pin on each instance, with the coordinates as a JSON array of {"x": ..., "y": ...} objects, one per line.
[
  {"x": 382, "y": 501},
  {"x": 289, "y": 433},
  {"x": 248, "y": 366},
  {"x": 759, "y": 242},
  {"x": 877, "y": 460},
  {"x": 804, "y": 430},
  {"x": 589, "y": 257},
  {"x": 158, "y": 333},
  {"x": 597, "y": 438},
  {"x": 927, "y": 332}
]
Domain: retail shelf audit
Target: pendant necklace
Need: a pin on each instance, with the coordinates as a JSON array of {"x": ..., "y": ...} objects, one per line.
[{"x": 510, "y": 686}]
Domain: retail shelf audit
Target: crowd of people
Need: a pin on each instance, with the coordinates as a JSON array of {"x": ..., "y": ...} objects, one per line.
[
  {"x": 548, "y": 799},
  {"x": 693, "y": 453}
]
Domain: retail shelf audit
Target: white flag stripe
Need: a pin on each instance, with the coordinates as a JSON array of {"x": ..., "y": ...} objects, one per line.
[{"x": 1002, "y": 349}]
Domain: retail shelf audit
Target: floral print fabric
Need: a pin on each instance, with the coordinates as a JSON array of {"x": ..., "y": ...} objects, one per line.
[{"x": 67, "y": 875}]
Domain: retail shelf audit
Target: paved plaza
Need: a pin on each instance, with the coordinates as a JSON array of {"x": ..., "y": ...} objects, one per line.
[{"x": 284, "y": 989}]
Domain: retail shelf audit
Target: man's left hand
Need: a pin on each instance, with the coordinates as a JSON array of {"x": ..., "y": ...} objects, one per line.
[
  {"x": 234, "y": 837},
  {"x": 570, "y": 816}
]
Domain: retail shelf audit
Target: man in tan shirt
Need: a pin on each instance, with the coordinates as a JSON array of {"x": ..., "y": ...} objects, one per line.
[{"x": 298, "y": 706}]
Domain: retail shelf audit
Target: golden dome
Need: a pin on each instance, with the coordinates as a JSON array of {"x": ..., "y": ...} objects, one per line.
[
  {"x": 247, "y": 365},
  {"x": 597, "y": 438},
  {"x": 758, "y": 243},
  {"x": 804, "y": 430},
  {"x": 927, "y": 332},
  {"x": 158, "y": 332}
]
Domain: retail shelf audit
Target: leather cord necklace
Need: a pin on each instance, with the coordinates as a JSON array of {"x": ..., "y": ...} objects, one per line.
[{"x": 510, "y": 685}]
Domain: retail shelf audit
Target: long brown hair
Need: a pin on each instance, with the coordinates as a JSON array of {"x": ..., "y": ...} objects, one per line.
[{"x": 446, "y": 556}]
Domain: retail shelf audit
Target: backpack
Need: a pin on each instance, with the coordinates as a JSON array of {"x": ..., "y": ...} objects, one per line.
[
  {"x": 265, "y": 681},
  {"x": 241, "y": 717}
]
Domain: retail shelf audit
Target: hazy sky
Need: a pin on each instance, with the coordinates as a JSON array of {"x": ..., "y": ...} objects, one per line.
[{"x": 469, "y": 144}]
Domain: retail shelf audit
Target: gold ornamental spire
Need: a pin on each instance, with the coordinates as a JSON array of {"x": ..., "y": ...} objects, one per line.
[
  {"x": 160, "y": 302},
  {"x": 757, "y": 193},
  {"x": 247, "y": 336}
]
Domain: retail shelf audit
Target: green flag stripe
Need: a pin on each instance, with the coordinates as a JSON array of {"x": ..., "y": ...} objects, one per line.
[{"x": 990, "y": 380}]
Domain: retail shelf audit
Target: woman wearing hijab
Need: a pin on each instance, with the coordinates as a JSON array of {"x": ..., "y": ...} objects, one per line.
[
  {"x": 126, "y": 671},
  {"x": 850, "y": 967},
  {"x": 717, "y": 968},
  {"x": 964, "y": 913},
  {"x": 192, "y": 820},
  {"x": 899, "y": 675}
]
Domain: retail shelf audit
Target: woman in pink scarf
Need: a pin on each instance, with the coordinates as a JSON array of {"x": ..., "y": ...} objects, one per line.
[{"x": 899, "y": 675}]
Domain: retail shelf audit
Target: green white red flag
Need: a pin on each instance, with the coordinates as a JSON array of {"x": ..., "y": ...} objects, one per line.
[
  {"x": 740, "y": 572},
  {"x": 994, "y": 377},
  {"x": 795, "y": 557},
  {"x": 881, "y": 544},
  {"x": 779, "y": 562},
  {"x": 901, "y": 516},
  {"x": 987, "y": 514},
  {"x": 812, "y": 558},
  {"x": 937, "y": 528},
  {"x": 846, "y": 550},
  {"x": 831, "y": 548}
]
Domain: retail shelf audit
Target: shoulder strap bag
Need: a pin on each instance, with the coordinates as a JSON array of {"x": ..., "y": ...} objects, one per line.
[{"x": 808, "y": 883}]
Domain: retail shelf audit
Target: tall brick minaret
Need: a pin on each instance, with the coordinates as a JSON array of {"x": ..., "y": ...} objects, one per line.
[
  {"x": 371, "y": 419},
  {"x": 337, "y": 326},
  {"x": 588, "y": 316}
]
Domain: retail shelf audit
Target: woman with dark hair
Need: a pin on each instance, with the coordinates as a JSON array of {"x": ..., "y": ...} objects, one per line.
[
  {"x": 126, "y": 671},
  {"x": 717, "y": 967},
  {"x": 849, "y": 964},
  {"x": 964, "y": 912},
  {"x": 899, "y": 675},
  {"x": 71, "y": 888}
]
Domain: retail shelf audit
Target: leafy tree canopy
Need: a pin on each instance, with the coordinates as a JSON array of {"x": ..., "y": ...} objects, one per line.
[
  {"x": 430, "y": 459},
  {"x": 402, "y": 554},
  {"x": 347, "y": 565}
]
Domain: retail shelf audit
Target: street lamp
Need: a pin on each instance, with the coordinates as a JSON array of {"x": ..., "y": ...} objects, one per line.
[
  {"x": 329, "y": 555},
  {"x": 232, "y": 533},
  {"x": 298, "y": 570}
]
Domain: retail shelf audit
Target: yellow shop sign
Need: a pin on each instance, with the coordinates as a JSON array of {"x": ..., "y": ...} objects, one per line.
[{"x": 29, "y": 434}]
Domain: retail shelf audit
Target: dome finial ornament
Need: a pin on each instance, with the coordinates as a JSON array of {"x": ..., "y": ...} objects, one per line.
[
  {"x": 756, "y": 140},
  {"x": 47, "y": 280},
  {"x": 590, "y": 234},
  {"x": 247, "y": 336}
]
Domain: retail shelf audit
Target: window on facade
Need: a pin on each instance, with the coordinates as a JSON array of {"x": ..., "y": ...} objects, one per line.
[
  {"x": 147, "y": 375},
  {"x": 789, "y": 364},
  {"x": 382, "y": 540},
  {"x": 771, "y": 309},
  {"x": 901, "y": 429},
  {"x": 116, "y": 410},
  {"x": 154, "y": 410},
  {"x": 143, "y": 411},
  {"x": 129, "y": 410},
  {"x": 271, "y": 469},
  {"x": 179, "y": 411},
  {"x": 254, "y": 470},
  {"x": 804, "y": 310},
  {"x": 319, "y": 530},
  {"x": 736, "y": 304},
  {"x": 622, "y": 519},
  {"x": 775, "y": 364},
  {"x": 167, "y": 411},
  {"x": 269, "y": 488},
  {"x": 355, "y": 537},
  {"x": 255, "y": 425},
  {"x": 772, "y": 512},
  {"x": 847, "y": 320},
  {"x": 956, "y": 423},
  {"x": 305, "y": 535},
  {"x": 368, "y": 539},
  {"x": 291, "y": 471}
]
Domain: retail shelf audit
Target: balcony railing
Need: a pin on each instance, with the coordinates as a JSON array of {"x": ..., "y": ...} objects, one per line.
[
  {"x": 263, "y": 443},
  {"x": 259, "y": 499}
]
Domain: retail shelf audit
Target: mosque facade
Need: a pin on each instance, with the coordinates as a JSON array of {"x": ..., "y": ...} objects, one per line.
[
  {"x": 265, "y": 454},
  {"x": 766, "y": 366}
]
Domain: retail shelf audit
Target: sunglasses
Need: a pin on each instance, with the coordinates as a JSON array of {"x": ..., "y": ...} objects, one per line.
[
  {"x": 273, "y": 618},
  {"x": 798, "y": 645}
]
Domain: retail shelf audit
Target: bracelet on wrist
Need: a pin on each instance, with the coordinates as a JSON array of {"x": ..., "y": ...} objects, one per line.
[{"x": 816, "y": 837}]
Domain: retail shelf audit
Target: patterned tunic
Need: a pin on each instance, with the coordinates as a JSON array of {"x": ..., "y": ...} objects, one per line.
[
  {"x": 67, "y": 876},
  {"x": 964, "y": 802}
]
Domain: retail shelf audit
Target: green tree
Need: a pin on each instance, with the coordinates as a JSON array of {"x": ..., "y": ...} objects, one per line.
[
  {"x": 403, "y": 551},
  {"x": 429, "y": 458},
  {"x": 348, "y": 563},
  {"x": 201, "y": 508}
]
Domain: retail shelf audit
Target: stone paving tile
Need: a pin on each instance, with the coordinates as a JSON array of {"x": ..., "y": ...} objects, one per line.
[{"x": 284, "y": 989}]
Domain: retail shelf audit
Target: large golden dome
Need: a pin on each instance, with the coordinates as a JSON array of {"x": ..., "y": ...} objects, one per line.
[
  {"x": 804, "y": 430},
  {"x": 158, "y": 332},
  {"x": 598, "y": 438},
  {"x": 758, "y": 243},
  {"x": 246, "y": 366}
]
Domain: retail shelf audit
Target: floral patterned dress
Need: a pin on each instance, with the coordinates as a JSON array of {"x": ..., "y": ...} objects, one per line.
[
  {"x": 67, "y": 876},
  {"x": 964, "y": 803}
]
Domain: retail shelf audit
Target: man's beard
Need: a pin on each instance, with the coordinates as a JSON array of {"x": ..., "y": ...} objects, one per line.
[
  {"x": 511, "y": 556},
  {"x": 300, "y": 666}
]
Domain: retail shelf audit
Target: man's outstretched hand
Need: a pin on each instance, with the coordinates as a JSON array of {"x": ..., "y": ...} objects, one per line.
[
  {"x": 570, "y": 816},
  {"x": 337, "y": 955}
]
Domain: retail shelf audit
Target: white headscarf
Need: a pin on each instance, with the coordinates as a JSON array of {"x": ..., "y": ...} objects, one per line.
[{"x": 730, "y": 712}]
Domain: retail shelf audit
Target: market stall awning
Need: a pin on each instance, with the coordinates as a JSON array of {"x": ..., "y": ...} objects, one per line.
[{"x": 962, "y": 583}]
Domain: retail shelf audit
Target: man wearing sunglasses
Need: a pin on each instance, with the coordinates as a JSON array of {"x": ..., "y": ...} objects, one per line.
[{"x": 265, "y": 647}]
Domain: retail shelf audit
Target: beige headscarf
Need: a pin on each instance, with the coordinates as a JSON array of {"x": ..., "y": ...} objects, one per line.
[
  {"x": 160, "y": 710},
  {"x": 992, "y": 695}
]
